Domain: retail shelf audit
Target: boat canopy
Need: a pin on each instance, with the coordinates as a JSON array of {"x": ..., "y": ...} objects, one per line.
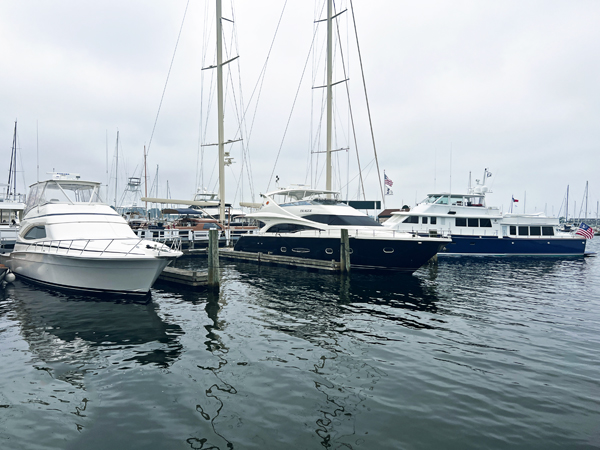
[
  {"x": 302, "y": 192},
  {"x": 455, "y": 199},
  {"x": 63, "y": 191}
]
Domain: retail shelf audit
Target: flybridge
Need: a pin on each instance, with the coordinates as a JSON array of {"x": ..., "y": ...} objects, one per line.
[{"x": 63, "y": 190}]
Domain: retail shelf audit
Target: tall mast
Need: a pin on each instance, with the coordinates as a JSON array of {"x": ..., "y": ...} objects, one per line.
[
  {"x": 145, "y": 181},
  {"x": 586, "y": 199},
  {"x": 220, "y": 114},
  {"x": 12, "y": 171},
  {"x": 567, "y": 213},
  {"x": 117, "y": 169},
  {"x": 329, "y": 90}
]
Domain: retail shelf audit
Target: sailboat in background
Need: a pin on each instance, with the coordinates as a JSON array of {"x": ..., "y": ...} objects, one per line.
[
  {"x": 308, "y": 222},
  {"x": 11, "y": 203}
]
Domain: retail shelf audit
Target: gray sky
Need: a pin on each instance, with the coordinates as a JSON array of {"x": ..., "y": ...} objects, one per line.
[{"x": 512, "y": 86}]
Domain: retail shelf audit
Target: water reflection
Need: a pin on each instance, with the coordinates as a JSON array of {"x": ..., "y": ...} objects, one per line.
[
  {"x": 211, "y": 408},
  {"x": 70, "y": 330},
  {"x": 335, "y": 316}
]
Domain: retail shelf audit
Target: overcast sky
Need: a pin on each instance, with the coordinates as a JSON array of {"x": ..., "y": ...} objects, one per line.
[{"x": 453, "y": 87}]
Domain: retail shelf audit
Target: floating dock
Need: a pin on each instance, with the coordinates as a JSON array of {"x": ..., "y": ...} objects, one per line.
[
  {"x": 280, "y": 260},
  {"x": 192, "y": 278}
]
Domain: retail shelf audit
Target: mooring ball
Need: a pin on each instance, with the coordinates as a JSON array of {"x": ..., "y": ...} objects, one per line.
[{"x": 10, "y": 277}]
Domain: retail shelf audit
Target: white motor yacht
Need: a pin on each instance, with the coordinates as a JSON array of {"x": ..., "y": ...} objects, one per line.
[
  {"x": 479, "y": 230},
  {"x": 68, "y": 238},
  {"x": 308, "y": 224}
]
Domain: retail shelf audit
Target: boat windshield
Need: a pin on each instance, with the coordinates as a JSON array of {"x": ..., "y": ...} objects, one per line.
[
  {"x": 431, "y": 199},
  {"x": 59, "y": 191}
]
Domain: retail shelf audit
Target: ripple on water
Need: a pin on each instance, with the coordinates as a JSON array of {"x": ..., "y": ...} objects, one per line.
[{"x": 471, "y": 353}]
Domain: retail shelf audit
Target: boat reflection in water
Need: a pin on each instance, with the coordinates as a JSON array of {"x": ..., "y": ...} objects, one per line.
[{"x": 72, "y": 330}]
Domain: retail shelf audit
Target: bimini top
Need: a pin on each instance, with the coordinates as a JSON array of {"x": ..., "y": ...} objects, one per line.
[
  {"x": 298, "y": 192},
  {"x": 63, "y": 191}
]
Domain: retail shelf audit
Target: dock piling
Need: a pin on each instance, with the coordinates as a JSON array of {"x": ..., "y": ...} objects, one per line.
[
  {"x": 213, "y": 259},
  {"x": 345, "y": 252}
]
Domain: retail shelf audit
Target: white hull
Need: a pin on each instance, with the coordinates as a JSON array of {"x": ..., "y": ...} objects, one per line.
[{"x": 115, "y": 275}]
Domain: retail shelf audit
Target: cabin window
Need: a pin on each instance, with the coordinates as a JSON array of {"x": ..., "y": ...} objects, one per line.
[
  {"x": 487, "y": 223},
  {"x": 424, "y": 220},
  {"x": 411, "y": 219},
  {"x": 535, "y": 231},
  {"x": 210, "y": 226},
  {"x": 461, "y": 222},
  {"x": 36, "y": 233},
  {"x": 523, "y": 231},
  {"x": 547, "y": 231},
  {"x": 8, "y": 216},
  {"x": 344, "y": 220},
  {"x": 433, "y": 220},
  {"x": 473, "y": 222},
  {"x": 513, "y": 229},
  {"x": 288, "y": 228}
]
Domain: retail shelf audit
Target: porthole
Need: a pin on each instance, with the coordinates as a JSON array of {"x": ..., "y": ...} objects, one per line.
[
  {"x": 301, "y": 250},
  {"x": 283, "y": 249},
  {"x": 329, "y": 251},
  {"x": 388, "y": 250}
]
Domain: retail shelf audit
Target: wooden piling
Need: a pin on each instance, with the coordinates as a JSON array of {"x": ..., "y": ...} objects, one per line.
[
  {"x": 345, "y": 252},
  {"x": 213, "y": 259}
]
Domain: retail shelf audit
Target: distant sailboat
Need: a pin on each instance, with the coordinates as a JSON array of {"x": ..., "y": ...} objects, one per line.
[{"x": 11, "y": 204}]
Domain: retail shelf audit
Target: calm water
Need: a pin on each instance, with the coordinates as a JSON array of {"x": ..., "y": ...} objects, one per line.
[{"x": 471, "y": 354}]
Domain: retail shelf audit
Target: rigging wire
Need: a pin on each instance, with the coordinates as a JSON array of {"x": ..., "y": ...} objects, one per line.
[
  {"x": 168, "y": 75},
  {"x": 362, "y": 184},
  {"x": 367, "y": 100},
  {"x": 292, "y": 110}
]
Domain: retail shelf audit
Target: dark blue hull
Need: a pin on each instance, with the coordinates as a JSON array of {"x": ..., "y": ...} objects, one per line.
[
  {"x": 506, "y": 246},
  {"x": 366, "y": 254}
]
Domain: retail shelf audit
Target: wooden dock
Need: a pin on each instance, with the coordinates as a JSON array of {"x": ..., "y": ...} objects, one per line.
[
  {"x": 280, "y": 260},
  {"x": 192, "y": 278}
]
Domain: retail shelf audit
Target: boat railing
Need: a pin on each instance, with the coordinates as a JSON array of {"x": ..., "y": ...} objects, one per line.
[
  {"x": 366, "y": 231},
  {"x": 70, "y": 247}
]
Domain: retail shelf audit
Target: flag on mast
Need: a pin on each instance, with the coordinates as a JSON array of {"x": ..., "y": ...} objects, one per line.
[{"x": 387, "y": 181}]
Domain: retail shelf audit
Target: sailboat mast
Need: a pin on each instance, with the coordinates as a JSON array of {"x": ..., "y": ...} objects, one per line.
[
  {"x": 145, "y": 180},
  {"x": 220, "y": 114},
  {"x": 567, "y": 213},
  {"x": 12, "y": 172},
  {"x": 586, "y": 199},
  {"x": 329, "y": 90},
  {"x": 116, "y": 168}
]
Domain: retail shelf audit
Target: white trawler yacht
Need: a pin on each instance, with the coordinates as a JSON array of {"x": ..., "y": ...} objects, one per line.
[
  {"x": 308, "y": 224},
  {"x": 479, "y": 230},
  {"x": 69, "y": 238}
]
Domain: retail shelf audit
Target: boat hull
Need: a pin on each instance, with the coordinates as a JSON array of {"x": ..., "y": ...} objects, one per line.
[
  {"x": 399, "y": 255},
  {"x": 110, "y": 275},
  {"x": 506, "y": 246}
]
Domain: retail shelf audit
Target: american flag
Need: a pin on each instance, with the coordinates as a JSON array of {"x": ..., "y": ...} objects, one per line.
[
  {"x": 585, "y": 231},
  {"x": 387, "y": 180}
]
